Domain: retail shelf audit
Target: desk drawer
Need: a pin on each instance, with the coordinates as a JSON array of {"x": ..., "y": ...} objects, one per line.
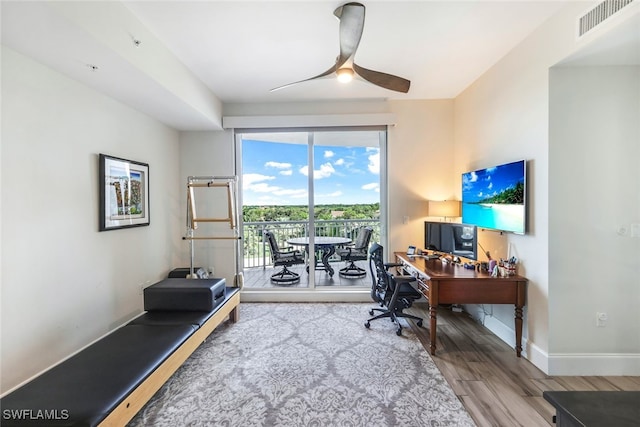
[
  {"x": 423, "y": 287},
  {"x": 480, "y": 292}
]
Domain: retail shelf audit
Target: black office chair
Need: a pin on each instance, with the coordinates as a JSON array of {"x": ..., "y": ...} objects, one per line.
[
  {"x": 285, "y": 257},
  {"x": 393, "y": 293},
  {"x": 357, "y": 251}
]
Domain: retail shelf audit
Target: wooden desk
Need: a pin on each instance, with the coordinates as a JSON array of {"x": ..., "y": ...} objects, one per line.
[{"x": 446, "y": 283}]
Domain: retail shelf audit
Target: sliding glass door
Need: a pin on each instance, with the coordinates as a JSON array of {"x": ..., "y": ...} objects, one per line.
[{"x": 313, "y": 189}]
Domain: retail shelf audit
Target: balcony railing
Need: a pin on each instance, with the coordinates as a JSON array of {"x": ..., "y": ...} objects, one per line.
[{"x": 256, "y": 250}]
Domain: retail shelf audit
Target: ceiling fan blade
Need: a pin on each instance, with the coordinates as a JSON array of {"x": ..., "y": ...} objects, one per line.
[
  {"x": 351, "y": 16},
  {"x": 319, "y": 76},
  {"x": 387, "y": 81}
]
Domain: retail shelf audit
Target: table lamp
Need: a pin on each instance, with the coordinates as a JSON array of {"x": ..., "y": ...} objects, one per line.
[{"x": 443, "y": 208}]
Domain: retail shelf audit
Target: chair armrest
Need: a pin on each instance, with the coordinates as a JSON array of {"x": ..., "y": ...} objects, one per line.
[
  {"x": 388, "y": 265},
  {"x": 348, "y": 248}
]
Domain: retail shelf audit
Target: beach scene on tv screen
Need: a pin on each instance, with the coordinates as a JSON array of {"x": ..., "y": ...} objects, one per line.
[{"x": 494, "y": 197}]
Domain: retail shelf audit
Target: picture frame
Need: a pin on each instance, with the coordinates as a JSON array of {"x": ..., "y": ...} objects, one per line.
[{"x": 124, "y": 193}]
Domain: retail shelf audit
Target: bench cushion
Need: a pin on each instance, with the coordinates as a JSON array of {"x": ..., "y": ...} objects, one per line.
[
  {"x": 184, "y": 295},
  {"x": 82, "y": 390}
]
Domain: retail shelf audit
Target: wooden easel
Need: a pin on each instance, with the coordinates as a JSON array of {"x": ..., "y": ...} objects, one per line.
[{"x": 228, "y": 182}]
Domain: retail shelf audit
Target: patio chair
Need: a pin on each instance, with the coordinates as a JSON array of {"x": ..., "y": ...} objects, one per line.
[
  {"x": 358, "y": 251},
  {"x": 285, "y": 257}
]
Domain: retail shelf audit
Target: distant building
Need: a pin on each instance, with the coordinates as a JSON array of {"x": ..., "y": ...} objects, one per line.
[{"x": 337, "y": 214}]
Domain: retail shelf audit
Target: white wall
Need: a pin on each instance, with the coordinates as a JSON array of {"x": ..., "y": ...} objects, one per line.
[
  {"x": 595, "y": 197},
  {"x": 64, "y": 284},
  {"x": 208, "y": 154},
  {"x": 420, "y": 163},
  {"x": 504, "y": 116},
  {"x": 420, "y": 166}
]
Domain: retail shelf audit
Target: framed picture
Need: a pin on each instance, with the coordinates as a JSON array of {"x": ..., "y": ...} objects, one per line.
[{"x": 124, "y": 193}]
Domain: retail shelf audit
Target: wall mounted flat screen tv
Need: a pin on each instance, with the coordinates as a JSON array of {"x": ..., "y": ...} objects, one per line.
[
  {"x": 495, "y": 197},
  {"x": 451, "y": 238}
]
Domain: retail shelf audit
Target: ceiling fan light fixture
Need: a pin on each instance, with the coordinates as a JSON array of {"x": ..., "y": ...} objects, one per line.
[
  {"x": 351, "y": 17},
  {"x": 345, "y": 75}
]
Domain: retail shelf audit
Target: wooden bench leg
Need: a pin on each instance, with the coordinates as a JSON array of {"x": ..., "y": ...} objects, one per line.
[{"x": 234, "y": 315}]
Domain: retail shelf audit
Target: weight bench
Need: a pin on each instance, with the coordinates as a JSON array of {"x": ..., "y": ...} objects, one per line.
[{"x": 108, "y": 382}]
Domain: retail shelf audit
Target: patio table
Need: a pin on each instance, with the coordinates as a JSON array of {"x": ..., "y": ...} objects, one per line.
[{"x": 324, "y": 244}]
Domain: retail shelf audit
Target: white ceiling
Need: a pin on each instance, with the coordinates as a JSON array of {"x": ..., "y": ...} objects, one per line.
[
  {"x": 243, "y": 49},
  {"x": 192, "y": 52}
]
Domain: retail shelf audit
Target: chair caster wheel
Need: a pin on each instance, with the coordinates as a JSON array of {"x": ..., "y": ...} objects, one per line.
[
  {"x": 370, "y": 312},
  {"x": 399, "y": 331},
  {"x": 419, "y": 323},
  {"x": 367, "y": 325}
]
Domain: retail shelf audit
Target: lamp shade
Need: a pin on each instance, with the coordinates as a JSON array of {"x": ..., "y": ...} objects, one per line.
[{"x": 444, "y": 208}]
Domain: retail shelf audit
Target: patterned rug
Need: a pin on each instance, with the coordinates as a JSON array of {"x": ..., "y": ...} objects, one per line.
[{"x": 304, "y": 364}]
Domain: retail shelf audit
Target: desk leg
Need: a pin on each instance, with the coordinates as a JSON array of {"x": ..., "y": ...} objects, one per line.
[
  {"x": 521, "y": 292},
  {"x": 433, "y": 313},
  {"x": 518, "y": 330}
]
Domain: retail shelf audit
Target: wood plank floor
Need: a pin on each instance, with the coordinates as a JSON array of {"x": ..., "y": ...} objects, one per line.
[{"x": 496, "y": 387}]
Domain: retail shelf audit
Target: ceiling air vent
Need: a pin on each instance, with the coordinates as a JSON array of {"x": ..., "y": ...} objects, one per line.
[{"x": 598, "y": 14}]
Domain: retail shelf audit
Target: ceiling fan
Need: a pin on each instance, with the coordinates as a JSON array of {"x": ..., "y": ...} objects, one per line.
[{"x": 351, "y": 16}]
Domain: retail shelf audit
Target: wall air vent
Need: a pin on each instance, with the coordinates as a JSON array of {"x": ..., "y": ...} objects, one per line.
[{"x": 600, "y": 13}]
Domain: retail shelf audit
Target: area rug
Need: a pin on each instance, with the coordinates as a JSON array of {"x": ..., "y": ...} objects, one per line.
[{"x": 306, "y": 364}]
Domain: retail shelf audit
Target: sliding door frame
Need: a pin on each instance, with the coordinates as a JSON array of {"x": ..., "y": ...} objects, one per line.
[{"x": 313, "y": 293}]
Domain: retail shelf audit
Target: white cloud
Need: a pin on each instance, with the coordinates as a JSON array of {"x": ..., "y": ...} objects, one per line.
[
  {"x": 374, "y": 163},
  {"x": 339, "y": 162},
  {"x": 290, "y": 192},
  {"x": 270, "y": 191},
  {"x": 278, "y": 165},
  {"x": 328, "y": 154},
  {"x": 325, "y": 171},
  {"x": 262, "y": 187},
  {"x": 287, "y": 172},
  {"x": 249, "y": 179},
  {"x": 371, "y": 186}
]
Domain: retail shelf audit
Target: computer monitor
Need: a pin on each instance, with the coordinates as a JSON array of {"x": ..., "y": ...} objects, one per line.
[{"x": 451, "y": 238}]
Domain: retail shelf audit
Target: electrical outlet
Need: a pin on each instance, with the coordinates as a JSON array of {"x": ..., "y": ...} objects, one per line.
[{"x": 601, "y": 319}]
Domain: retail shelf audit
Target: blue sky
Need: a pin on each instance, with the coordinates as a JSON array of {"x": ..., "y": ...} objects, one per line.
[
  {"x": 483, "y": 183},
  {"x": 277, "y": 174}
]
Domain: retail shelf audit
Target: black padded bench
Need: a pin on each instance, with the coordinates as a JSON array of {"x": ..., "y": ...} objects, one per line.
[
  {"x": 595, "y": 408},
  {"x": 108, "y": 382}
]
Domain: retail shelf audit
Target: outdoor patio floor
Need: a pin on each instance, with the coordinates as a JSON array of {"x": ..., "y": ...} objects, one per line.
[{"x": 260, "y": 277}]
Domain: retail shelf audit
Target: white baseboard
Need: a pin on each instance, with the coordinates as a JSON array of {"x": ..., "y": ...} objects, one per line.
[
  {"x": 569, "y": 364},
  {"x": 537, "y": 356},
  {"x": 594, "y": 364}
]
